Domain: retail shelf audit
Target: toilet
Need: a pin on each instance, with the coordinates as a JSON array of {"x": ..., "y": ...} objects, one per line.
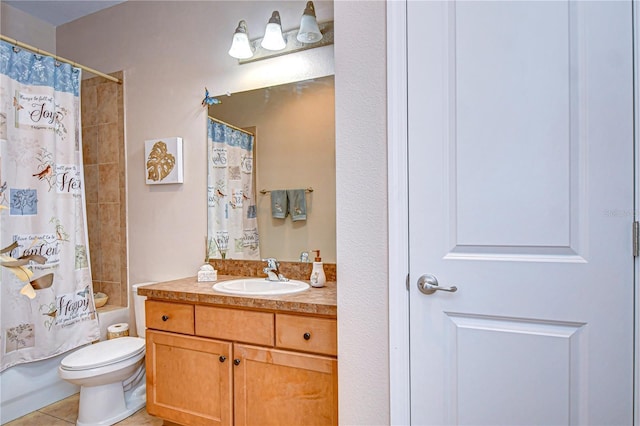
[{"x": 110, "y": 373}]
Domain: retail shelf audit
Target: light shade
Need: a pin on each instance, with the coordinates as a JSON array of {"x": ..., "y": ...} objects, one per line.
[
  {"x": 240, "y": 47},
  {"x": 273, "y": 39},
  {"x": 309, "y": 31}
]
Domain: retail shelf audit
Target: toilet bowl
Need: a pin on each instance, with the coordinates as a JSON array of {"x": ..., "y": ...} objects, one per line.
[
  {"x": 111, "y": 375},
  {"x": 101, "y": 371}
]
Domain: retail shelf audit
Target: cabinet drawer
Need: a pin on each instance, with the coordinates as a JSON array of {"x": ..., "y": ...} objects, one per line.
[
  {"x": 235, "y": 324},
  {"x": 167, "y": 316},
  {"x": 307, "y": 334}
]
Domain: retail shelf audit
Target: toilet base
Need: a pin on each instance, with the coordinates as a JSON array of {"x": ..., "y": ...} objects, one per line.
[{"x": 108, "y": 404}]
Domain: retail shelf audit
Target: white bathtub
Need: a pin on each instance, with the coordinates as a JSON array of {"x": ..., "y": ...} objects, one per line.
[{"x": 28, "y": 387}]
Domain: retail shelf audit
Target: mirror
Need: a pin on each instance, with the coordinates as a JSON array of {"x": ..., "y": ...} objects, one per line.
[{"x": 294, "y": 148}]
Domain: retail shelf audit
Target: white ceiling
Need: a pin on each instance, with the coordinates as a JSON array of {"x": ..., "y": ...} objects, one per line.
[{"x": 58, "y": 12}]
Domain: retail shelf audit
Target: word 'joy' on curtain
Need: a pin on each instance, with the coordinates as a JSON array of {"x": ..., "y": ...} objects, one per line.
[
  {"x": 232, "y": 220},
  {"x": 43, "y": 214}
]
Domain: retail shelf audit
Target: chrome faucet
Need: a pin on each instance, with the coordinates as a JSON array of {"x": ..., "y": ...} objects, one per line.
[{"x": 272, "y": 270}]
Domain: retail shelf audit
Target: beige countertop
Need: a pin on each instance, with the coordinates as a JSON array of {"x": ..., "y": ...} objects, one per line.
[{"x": 319, "y": 301}]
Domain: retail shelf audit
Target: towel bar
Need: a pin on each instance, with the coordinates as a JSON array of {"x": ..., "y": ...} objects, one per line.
[{"x": 266, "y": 191}]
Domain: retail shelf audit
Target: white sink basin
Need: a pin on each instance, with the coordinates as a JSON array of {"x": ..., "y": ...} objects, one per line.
[{"x": 260, "y": 286}]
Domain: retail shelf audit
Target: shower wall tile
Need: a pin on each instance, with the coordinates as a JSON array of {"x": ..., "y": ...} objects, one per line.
[
  {"x": 109, "y": 183},
  {"x": 108, "y": 143},
  {"x": 93, "y": 230},
  {"x": 88, "y": 105},
  {"x": 89, "y": 145},
  {"x": 123, "y": 243},
  {"x": 124, "y": 292},
  {"x": 91, "y": 182},
  {"x": 110, "y": 262},
  {"x": 96, "y": 259},
  {"x": 93, "y": 224},
  {"x": 122, "y": 184},
  {"x": 107, "y": 103},
  {"x": 105, "y": 185},
  {"x": 109, "y": 217}
]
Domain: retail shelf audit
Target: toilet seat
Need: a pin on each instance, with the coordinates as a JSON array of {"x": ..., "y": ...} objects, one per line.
[{"x": 103, "y": 353}]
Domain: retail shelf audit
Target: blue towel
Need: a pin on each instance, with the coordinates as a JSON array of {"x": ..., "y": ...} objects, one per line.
[
  {"x": 279, "y": 204},
  {"x": 297, "y": 204}
]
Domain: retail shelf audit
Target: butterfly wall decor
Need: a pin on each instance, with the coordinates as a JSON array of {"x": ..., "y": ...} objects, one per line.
[{"x": 209, "y": 100}]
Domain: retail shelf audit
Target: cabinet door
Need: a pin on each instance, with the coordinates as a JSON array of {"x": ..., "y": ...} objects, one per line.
[
  {"x": 189, "y": 379},
  {"x": 274, "y": 387}
]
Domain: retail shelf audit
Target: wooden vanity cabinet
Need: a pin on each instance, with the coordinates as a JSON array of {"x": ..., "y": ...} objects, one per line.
[
  {"x": 232, "y": 366},
  {"x": 274, "y": 387},
  {"x": 189, "y": 379}
]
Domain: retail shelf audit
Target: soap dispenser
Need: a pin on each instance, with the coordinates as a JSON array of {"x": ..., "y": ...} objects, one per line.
[{"x": 318, "y": 277}]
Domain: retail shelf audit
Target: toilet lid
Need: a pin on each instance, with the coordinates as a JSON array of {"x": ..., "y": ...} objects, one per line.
[{"x": 103, "y": 353}]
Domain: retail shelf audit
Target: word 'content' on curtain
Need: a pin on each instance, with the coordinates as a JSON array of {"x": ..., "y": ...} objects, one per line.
[
  {"x": 43, "y": 214},
  {"x": 232, "y": 219}
]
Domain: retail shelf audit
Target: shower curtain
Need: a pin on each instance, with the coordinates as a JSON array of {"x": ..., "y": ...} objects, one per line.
[
  {"x": 41, "y": 186},
  {"x": 233, "y": 225}
]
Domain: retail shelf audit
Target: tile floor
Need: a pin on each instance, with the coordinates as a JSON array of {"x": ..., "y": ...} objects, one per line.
[{"x": 65, "y": 412}]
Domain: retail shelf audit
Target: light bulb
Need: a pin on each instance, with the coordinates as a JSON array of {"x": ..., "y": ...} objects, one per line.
[
  {"x": 273, "y": 39},
  {"x": 309, "y": 31},
  {"x": 240, "y": 46}
]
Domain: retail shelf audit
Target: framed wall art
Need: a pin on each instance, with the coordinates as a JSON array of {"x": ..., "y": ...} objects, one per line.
[{"x": 163, "y": 161}]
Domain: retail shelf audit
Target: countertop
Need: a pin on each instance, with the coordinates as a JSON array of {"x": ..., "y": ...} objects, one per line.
[{"x": 319, "y": 301}]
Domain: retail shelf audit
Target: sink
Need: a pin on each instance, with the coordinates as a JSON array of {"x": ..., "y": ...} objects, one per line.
[{"x": 260, "y": 286}]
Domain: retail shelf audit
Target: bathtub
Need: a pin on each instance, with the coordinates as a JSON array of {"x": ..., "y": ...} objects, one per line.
[{"x": 28, "y": 387}]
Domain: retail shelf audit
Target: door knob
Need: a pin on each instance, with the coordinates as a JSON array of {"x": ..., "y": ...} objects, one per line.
[{"x": 428, "y": 284}]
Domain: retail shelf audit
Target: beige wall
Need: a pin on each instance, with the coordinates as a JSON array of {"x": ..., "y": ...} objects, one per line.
[
  {"x": 361, "y": 197},
  {"x": 168, "y": 54},
  {"x": 18, "y": 25}
]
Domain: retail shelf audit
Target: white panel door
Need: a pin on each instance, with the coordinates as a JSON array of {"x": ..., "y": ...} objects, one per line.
[{"x": 520, "y": 175}]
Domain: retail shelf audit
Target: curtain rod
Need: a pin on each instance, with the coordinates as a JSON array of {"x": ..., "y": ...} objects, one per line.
[
  {"x": 230, "y": 125},
  {"x": 58, "y": 58}
]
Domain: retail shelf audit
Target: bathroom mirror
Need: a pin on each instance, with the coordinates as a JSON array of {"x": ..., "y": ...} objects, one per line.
[{"x": 294, "y": 128}]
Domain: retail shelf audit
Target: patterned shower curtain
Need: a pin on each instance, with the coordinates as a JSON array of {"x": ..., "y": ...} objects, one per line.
[
  {"x": 41, "y": 186},
  {"x": 233, "y": 226}
]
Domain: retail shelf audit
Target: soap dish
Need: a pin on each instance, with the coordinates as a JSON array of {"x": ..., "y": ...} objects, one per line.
[{"x": 100, "y": 299}]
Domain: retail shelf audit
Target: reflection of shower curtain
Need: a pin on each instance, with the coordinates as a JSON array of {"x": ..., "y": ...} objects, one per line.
[
  {"x": 233, "y": 226},
  {"x": 41, "y": 183}
]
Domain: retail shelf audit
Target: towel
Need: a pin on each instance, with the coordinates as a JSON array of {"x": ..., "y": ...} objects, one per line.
[
  {"x": 297, "y": 204},
  {"x": 279, "y": 204}
]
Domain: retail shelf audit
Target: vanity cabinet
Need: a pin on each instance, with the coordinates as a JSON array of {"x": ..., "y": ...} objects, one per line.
[
  {"x": 217, "y": 365},
  {"x": 274, "y": 387},
  {"x": 189, "y": 379}
]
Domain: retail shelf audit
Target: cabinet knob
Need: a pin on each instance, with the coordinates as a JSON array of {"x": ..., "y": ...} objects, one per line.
[
  {"x": 165, "y": 317},
  {"x": 222, "y": 358},
  {"x": 307, "y": 336},
  {"x": 236, "y": 361}
]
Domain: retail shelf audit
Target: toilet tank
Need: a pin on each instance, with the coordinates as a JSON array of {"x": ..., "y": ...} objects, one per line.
[{"x": 138, "y": 308}]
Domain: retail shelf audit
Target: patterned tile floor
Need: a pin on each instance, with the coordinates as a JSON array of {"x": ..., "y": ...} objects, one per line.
[{"x": 65, "y": 412}]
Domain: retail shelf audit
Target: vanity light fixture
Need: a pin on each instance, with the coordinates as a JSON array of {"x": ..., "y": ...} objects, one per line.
[
  {"x": 309, "y": 31},
  {"x": 273, "y": 39},
  {"x": 240, "y": 47},
  {"x": 311, "y": 34}
]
